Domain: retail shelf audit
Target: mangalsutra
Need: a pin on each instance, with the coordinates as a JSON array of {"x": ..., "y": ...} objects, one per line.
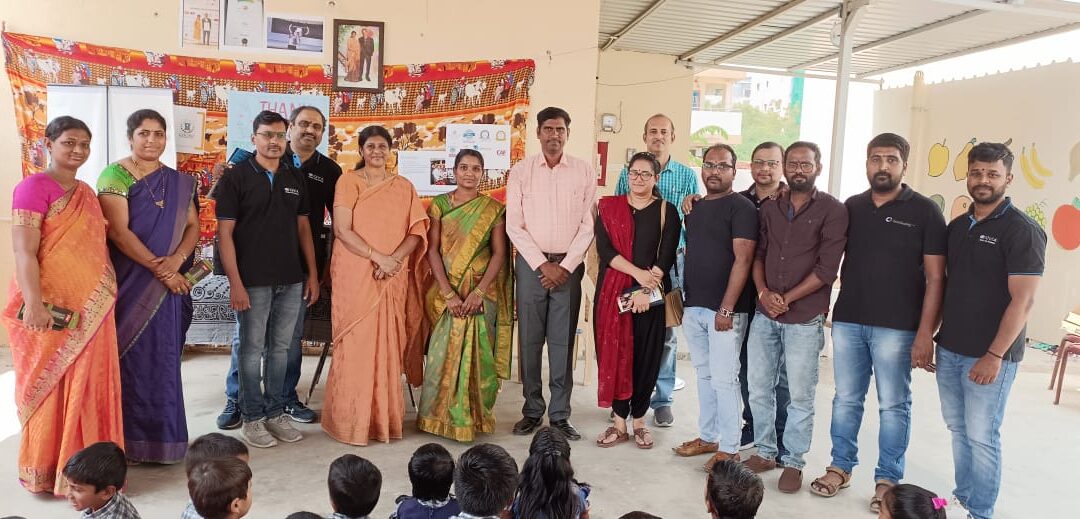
[{"x": 161, "y": 185}]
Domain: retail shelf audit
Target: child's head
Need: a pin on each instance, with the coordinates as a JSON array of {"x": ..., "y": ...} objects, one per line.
[
  {"x": 636, "y": 514},
  {"x": 94, "y": 475},
  {"x": 733, "y": 491},
  {"x": 485, "y": 479},
  {"x": 431, "y": 472},
  {"x": 911, "y": 502},
  {"x": 220, "y": 488},
  {"x": 304, "y": 515},
  {"x": 354, "y": 484},
  {"x": 214, "y": 446},
  {"x": 546, "y": 487}
]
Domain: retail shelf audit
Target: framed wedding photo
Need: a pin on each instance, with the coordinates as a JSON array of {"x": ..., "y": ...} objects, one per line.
[{"x": 358, "y": 55}]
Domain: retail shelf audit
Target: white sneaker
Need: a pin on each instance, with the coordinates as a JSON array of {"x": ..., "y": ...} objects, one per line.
[
  {"x": 281, "y": 428},
  {"x": 679, "y": 384},
  {"x": 256, "y": 435},
  {"x": 956, "y": 509}
]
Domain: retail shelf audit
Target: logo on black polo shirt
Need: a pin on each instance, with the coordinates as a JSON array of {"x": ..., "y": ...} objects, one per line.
[
  {"x": 292, "y": 191},
  {"x": 989, "y": 240},
  {"x": 315, "y": 177},
  {"x": 889, "y": 219}
]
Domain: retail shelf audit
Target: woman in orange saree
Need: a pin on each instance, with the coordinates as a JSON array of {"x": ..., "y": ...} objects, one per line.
[
  {"x": 381, "y": 230},
  {"x": 67, "y": 380}
]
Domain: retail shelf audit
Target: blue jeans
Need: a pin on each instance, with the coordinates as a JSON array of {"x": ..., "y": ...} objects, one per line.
[
  {"x": 782, "y": 397},
  {"x": 292, "y": 365},
  {"x": 665, "y": 381},
  {"x": 716, "y": 360},
  {"x": 799, "y": 345},
  {"x": 858, "y": 351},
  {"x": 266, "y": 330},
  {"x": 973, "y": 414}
]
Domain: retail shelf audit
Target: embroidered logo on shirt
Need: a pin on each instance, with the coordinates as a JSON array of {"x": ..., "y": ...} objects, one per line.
[
  {"x": 315, "y": 177},
  {"x": 989, "y": 240},
  {"x": 292, "y": 191},
  {"x": 889, "y": 219}
]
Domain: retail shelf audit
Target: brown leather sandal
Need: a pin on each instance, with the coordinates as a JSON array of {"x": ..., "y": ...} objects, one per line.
[
  {"x": 875, "y": 502},
  {"x": 824, "y": 488},
  {"x": 643, "y": 438},
  {"x": 620, "y": 437}
]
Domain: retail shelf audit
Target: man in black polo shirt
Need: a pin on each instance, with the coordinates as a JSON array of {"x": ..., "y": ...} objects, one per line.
[
  {"x": 891, "y": 286},
  {"x": 995, "y": 259},
  {"x": 262, "y": 222}
]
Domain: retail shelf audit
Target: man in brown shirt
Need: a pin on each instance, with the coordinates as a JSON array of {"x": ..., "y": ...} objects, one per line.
[{"x": 802, "y": 237}]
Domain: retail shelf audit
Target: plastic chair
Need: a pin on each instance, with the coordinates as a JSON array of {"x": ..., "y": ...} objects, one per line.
[{"x": 1069, "y": 344}]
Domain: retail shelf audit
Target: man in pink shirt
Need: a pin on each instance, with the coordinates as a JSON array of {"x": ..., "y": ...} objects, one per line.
[{"x": 550, "y": 199}]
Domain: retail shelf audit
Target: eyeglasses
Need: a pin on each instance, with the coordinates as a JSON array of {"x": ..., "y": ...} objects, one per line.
[
  {"x": 770, "y": 163},
  {"x": 318, "y": 127},
  {"x": 804, "y": 167},
  {"x": 637, "y": 174},
  {"x": 722, "y": 166},
  {"x": 270, "y": 136}
]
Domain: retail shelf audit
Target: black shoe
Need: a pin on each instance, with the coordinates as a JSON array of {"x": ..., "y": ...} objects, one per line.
[
  {"x": 300, "y": 412},
  {"x": 229, "y": 417},
  {"x": 526, "y": 426},
  {"x": 747, "y": 438},
  {"x": 567, "y": 428}
]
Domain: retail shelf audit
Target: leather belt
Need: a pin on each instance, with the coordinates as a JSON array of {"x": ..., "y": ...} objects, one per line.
[{"x": 555, "y": 258}]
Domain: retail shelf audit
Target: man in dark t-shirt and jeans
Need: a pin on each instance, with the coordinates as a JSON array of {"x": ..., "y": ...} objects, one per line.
[
  {"x": 721, "y": 235},
  {"x": 995, "y": 260},
  {"x": 262, "y": 217}
]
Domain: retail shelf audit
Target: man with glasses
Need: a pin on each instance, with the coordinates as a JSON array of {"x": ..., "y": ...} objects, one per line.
[
  {"x": 721, "y": 234},
  {"x": 320, "y": 174},
  {"x": 676, "y": 182},
  {"x": 801, "y": 239},
  {"x": 262, "y": 213},
  {"x": 549, "y": 217}
]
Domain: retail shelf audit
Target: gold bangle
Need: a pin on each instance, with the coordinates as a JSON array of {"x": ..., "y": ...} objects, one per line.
[
  {"x": 448, "y": 294},
  {"x": 369, "y": 251},
  {"x": 478, "y": 292}
]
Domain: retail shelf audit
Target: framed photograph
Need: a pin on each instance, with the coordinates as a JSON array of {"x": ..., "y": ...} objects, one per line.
[
  {"x": 294, "y": 33},
  {"x": 358, "y": 55}
]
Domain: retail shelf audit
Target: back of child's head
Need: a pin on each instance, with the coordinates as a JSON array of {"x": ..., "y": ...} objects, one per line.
[
  {"x": 214, "y": 446},
  {"x": 102, "y": 465},
  {"x": 303, "y": 515},
  {"x": 546, "y": 488},
  {"x": 215, "y": 484},
  {"x": 431, "y": 472},
  {"x": 485, "y": 479},
  {"x": 733, "y": 491},
  {"x": 913, "y": 502},
  {"x": 354, "y": 484},
  {"x": 636, "y": 514}
]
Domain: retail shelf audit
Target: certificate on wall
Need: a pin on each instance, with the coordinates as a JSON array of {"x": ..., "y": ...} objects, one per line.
[
  {"x": 243, "y": 27},
  {"x": 189, "y": 128},
  {"x": 491, "y": 140},
  {"x": 429, "y": 170},
  {"x": 200, "y": 23}
]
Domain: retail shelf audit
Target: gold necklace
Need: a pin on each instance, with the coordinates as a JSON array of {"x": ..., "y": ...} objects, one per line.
[{"x": 149, "y": 189}]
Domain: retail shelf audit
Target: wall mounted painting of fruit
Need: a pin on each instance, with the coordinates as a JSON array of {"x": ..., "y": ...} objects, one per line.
[
  {"x": 1037, "y": 212},
  {"x": 1066, "y": 225},
  {"x": 940, "y": 201},
  {"x": 938, "y": 159},
  {"x": 959, "y": 206},
  {"x": 1032, "y": 168},
  {"x": 960, "y": 163},
  {"x": 1074, "y": 161}
]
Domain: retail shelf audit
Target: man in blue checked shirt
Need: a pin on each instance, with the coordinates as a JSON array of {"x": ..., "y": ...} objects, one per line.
[{"x": 677, "y": 181}]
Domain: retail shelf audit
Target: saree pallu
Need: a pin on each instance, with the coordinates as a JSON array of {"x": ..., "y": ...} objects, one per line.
[
  {"x": 467, "y": 357},
  {"x": 67, "y": 383},
  {"x": 377, "y": 324},
  {"x": 151, "y": 322},
  {"x": 614, "y": 330}
]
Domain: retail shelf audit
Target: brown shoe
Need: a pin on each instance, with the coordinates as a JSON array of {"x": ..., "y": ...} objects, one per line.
[
  {"x": 790, "y": 480},
  {"x": 695, "y": 447},
  {"x": 718, "y": 457},
  {"x": 757, "y": 464}
]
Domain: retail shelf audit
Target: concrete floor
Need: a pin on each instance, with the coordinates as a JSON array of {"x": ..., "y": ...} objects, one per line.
[{"x": 1040, "y": 442}]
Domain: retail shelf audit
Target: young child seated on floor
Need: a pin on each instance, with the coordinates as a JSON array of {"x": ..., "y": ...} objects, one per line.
[
  {"x": 354, "y": 484},
  {"x": 95, "y": 476},
  {"x": 431, "y": 472},
  {"x": 732, "y": 491},
  {"x": 547, "y": 487},
  {"x": 912, "y": 502},
  {"x": 213, "y": 446},
  {"x": 220, "y": 488},
  {"x": 485, "y": 479}
]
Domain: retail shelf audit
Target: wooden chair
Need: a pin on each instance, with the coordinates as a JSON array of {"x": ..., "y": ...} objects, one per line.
[{"x": 1069, "y": 344}]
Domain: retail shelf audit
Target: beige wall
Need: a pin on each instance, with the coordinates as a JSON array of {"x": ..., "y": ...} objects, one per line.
[
  {"x": 1037, "y": 105},
  {"x": 642, "y": 84},
  {"x": 563, "y": 47}
]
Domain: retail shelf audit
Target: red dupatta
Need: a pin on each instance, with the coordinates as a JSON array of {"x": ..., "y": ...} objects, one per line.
[{"x": 615, "y": 331}]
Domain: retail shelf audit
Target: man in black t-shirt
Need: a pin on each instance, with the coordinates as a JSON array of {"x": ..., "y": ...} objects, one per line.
[
  {"x": 995, "y": 260},
  {"x": 262, "y": 216},
  {"x": 721, "y": 236},
  {"x": 892, "y": 281}
]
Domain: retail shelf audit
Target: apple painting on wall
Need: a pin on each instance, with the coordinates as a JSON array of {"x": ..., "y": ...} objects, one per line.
[{"x": 1066, "y": 225}]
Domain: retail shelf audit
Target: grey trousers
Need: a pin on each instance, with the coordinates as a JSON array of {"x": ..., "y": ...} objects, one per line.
[{"x": 551, "y": 316}]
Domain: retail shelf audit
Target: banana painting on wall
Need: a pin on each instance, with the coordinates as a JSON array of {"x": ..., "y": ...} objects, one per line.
[{"x": 1032, "y": 168}]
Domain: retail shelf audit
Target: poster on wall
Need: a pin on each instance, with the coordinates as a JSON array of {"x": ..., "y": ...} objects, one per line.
[
  {"x": 491, "y": 140},
  {"x": 243, "y": 25},
  {"x": 189, "y": 129},
  {"x": 429, "y": 170},
  {"x": 358, "y": 57},
  {"x": 88, "y": 104},
  {"x": 244, "y": 106},
  {"x": 200, "y": 23},
  {"x": 294, "y": 33}
]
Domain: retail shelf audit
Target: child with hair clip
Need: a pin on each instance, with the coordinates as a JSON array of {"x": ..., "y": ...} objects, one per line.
[
  {"x": 547, "y": 489},
  {"x": 912, "y": 502}
]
